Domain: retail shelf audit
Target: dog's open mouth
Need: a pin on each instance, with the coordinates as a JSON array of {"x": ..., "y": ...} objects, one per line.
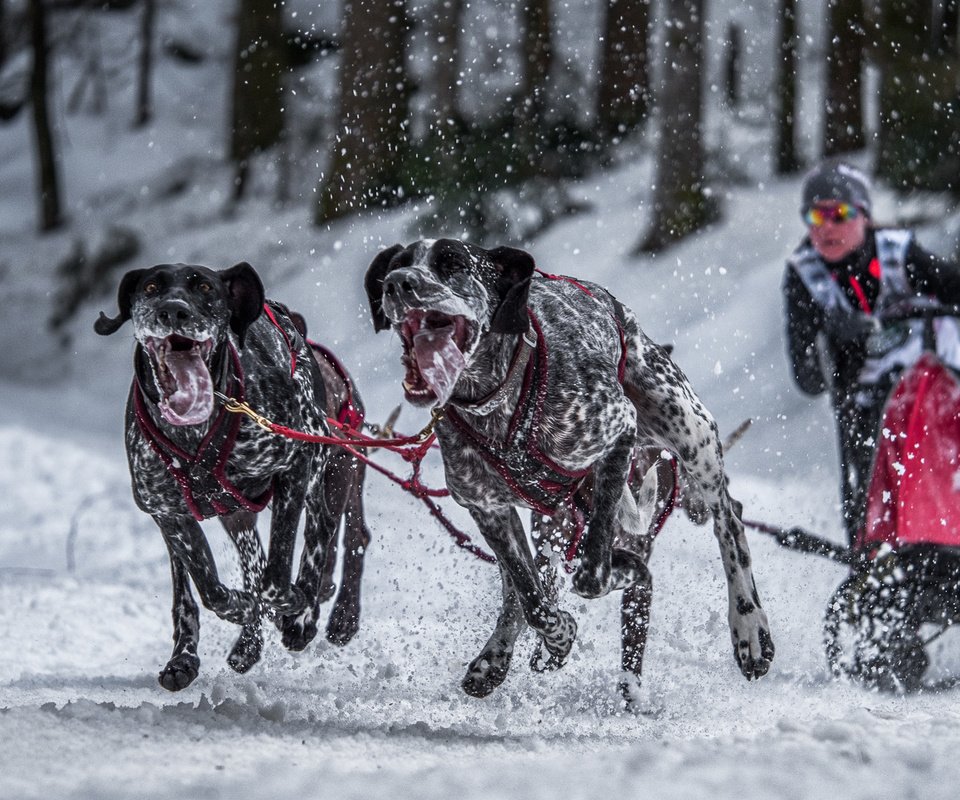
[
  {"x": 433, "y": 347},
  {"x": 183, "y": 378}
]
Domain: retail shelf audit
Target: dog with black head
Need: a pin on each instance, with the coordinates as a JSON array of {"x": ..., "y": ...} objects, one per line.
[
  {"x": 549, "y": 390},
  {"x": 202, "y": 336}
]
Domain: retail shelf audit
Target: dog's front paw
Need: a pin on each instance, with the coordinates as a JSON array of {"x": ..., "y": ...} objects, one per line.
[
  {"x": 296, "y": 632},
  {"x": 240, "y": 608},
  {"x": 247, "y": 649},
  {"x": 288, "y": 600},
  {"x": 543, "y": 660},
  {"x": 344, "y": 622},
  {"x": 592, "y": 580},
  {"x": 485, "y": 673},
  {"x": 753, "y": 648},
  {"x": 179, "y": 672},
  {"x": 628, "y": 569},
  {"x": 558, "y": 641}
]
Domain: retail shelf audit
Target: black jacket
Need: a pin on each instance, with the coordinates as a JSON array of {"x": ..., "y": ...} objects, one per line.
[{"x": 927, "y": 275}]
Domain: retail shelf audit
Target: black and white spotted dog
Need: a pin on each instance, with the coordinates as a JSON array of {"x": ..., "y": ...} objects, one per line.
[
  {"x": 200, "y": 332},
  {"x": 549, "y": 386}
]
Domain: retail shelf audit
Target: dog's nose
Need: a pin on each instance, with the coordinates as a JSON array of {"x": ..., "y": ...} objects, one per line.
[
  {"x": 174, "y": 313},
  {"x": 402, "y": 282}
]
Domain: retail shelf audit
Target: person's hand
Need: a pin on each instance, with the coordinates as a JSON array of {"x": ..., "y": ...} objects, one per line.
[{"x": 844, "y": 327}]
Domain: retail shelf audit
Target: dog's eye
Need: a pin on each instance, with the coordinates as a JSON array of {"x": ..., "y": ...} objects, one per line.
[
  {"x": 150, "y": 287},
  {"x": 204, "y": 287}
]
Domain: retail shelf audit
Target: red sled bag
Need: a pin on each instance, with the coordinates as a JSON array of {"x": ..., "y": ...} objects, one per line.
[{"x": 914, "y": 494}]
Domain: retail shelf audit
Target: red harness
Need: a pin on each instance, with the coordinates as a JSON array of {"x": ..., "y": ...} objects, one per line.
[
  {"x": 348, "y": 414},
  {"x": 202, "y": 475},
  {"x": 531, "y": 474}
]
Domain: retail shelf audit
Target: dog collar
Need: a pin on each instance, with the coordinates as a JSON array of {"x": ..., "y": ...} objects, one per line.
[{"x": 521, "y": 356}]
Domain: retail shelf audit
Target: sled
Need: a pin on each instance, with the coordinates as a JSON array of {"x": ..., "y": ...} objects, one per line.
[{"x": 905, "y": 562}]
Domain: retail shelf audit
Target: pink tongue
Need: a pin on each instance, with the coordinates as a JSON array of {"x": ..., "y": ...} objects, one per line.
[
  {"x": 191, "y": 402},
  {"x": 439, "y": 360}
]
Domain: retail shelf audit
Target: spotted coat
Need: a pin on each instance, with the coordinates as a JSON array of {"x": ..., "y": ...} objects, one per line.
[
  {"x": 590, "y": 420},
  {"x": 273, "y": 366}
]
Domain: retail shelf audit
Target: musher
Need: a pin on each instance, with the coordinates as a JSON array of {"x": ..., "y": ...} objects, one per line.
[{"x": 840, "y": 275}]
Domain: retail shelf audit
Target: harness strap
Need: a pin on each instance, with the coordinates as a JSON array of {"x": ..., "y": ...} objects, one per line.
[
  {"x": 210, "y": 459},
  {"x": 548, "y": 485},
  {"x": 286, "y": 337},
  {"x": 349, "y": 413},
  {"x": 521, "y": 357}
]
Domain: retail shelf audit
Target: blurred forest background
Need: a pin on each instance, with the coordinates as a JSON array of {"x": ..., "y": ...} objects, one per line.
[{"x": 481, "y": 111}]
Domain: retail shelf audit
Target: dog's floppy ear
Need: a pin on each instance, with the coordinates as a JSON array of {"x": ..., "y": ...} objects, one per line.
[
  {"x": 515, "y": 268},
  {"x": 373, "y": 283},
  {"x": 106, "y": 325},
  {"x": 246, "y": 297}
]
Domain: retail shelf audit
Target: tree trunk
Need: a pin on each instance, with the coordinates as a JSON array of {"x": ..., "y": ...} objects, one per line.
[
  {"x": 144, "y": 105},
  {"x": 47, "y": 168},
  {"x": 681, "y": 205},
  {"x": 946, "y": 28},
  {"x": 623, "y": 88},
  {"x": 843, "y": 105},
  {"x": 731, "y": 65},
  {"x": 364, "y": 166},
  {"x": 786, "y": 99},
  {"x": 919, "y": 144},
  {"x": 446, "y": 74},
  {"x": 537, "y": 52},
  {"x": 259, "y": 65},
  {"x": 3, "y": 33}
]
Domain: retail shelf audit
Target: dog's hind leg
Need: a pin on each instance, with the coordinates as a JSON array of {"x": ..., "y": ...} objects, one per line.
[
  {"x": 603, "y": 567},
  {"x": 749, "y": 630},
  {"x": 634, "y": 622},
  {"x": 288, "y": 502},
  {"x": 186, "y": 542},
  {"x": 671, "y": 415},
  {"x": 344, "y": 621},
  {"x": 241, "y": 526},
  {"x": 328, "y": 580},
  {"x": 184, "y": 665},
  {"x": 549, "y": 537},
  {"x": 489, "y": 669},
  {"x": 504, "y": 534},
  {"x": 703, "y": 465},
  {"x": 320, "y": 526}
]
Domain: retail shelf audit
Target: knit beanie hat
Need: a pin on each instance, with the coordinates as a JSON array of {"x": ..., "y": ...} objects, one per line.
[{"x": 837, "y": 181}]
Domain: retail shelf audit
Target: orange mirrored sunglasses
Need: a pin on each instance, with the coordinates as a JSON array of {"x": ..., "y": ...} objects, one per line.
[{"x": 841, "y": 212}]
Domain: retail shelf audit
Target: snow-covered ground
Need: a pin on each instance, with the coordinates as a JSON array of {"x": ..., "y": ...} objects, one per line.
[{"x": 84, "y": 581}]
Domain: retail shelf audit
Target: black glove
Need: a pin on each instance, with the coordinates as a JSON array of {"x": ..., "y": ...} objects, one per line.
[{"x": 845, "y": 327}]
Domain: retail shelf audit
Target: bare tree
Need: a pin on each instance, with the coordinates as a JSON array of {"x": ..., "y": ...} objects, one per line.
[
  {"x": 144, "y": 111},
  {"x": 623, "y": 87},
  {"x": 364, "y": 165},
  {"x": 446, "y": 74},
  {"x": 919, "y": 141},
  {"x": 537, "y": 54},
  {"x": 843, "y": 105},
  {"x": 733, "y": 50},
  {"x": 51, "y": 216},
  {"x": 3, "y": 33},
  {"x": 946, "y": 27},
  {"x": 259, "y": 64},
  {"x": 681, "y": 205},
  {"x": 786, "y": 95}
]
